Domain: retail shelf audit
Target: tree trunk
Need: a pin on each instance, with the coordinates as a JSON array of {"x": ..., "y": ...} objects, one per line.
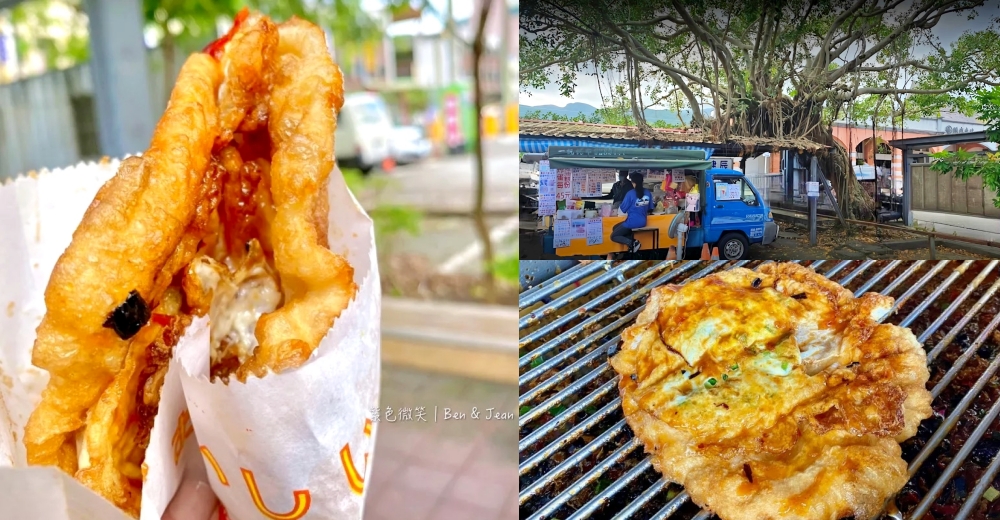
[
  {"x": 801, "y": 118},
  {"x": 854, "y": 201},
  {"x": 478, "y": 213}
]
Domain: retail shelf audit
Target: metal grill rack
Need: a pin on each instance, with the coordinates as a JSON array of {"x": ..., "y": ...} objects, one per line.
[{"x": 579, "y": 459}]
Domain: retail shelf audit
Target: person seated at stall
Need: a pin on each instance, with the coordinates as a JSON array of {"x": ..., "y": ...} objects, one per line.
[
  {"x": 618, "y": 190},
  {"x": 635, "y": 206}
]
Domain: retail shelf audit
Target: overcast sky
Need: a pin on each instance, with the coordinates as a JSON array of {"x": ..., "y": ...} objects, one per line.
[{"x": 947, "y": 31}]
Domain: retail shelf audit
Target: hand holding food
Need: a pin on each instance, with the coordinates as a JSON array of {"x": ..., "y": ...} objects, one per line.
[{"x": 226, "y": 215}]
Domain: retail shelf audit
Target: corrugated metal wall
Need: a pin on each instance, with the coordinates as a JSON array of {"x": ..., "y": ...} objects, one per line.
[{"x": 49, "y": 121}]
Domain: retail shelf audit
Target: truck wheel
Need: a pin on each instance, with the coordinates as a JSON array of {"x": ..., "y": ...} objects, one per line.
[{"x": 733, "y": 246}]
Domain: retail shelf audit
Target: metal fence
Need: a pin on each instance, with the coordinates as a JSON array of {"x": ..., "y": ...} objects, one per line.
[{"x": 50, "y": 121}]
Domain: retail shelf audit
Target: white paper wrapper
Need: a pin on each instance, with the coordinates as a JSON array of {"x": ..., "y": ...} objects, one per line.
[{"x": 290, "y": 445}]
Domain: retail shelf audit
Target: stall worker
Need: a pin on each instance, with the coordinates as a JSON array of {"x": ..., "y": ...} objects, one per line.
[
  {"x": 635, "y": 206},
  {"x": 618, "y": 190}
]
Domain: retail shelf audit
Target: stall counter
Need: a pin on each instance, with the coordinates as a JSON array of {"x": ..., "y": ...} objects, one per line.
[{"x": 579, "y": 247}]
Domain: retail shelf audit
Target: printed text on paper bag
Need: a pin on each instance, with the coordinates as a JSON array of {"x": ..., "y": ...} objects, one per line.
[{"x": 301, "y": 498}]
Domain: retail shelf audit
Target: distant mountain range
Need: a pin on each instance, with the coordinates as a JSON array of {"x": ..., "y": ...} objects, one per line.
[{"x": 573, "y": 109}]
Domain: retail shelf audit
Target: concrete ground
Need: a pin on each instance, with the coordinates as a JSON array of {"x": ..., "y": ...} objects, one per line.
[
  {"x": 446, "y": 184},
  {"x": 793, "y": 244},
  {"x": 864, "y": 242},
  {"x": 456, "y": 469}
]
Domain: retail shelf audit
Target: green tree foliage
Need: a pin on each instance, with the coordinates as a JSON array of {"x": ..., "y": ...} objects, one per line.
[
  {"x": 390, "y": 221},
  {"x": 966, "y": 164},
  {"x": 187, "y": 25},
  {"x": 56, "y": 28},
  {"x": 776, "y": 70},
  {"x": 507, "y": 269}
]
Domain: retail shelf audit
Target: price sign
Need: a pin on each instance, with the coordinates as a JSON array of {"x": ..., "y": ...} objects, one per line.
[{"x": 595, "y": 231}]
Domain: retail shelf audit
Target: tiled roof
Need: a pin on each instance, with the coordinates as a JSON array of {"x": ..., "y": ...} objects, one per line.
[
  {"x": 535, "y": 127},
  {"x": 958, "y": 117}
]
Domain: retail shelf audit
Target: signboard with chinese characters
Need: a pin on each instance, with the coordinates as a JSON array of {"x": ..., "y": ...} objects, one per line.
[
  {"x": 578, "y": 183},
  {"x": 595, "y": 231},
  {"x": 561, "y": 233},
  {"x": 578, "y": 228},
  {"x": 725, "y": 163},
  {"x": 655, "y": 176},
  {"x": 547, "y": 193},
  {"x": 564, "y": 187},
  {"x": 726, "y": 191},
  {"x": 604, "y": 175}
]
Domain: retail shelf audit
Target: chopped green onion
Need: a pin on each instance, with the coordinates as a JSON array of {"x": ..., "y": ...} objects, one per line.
[
  {"x": 711, "y": 382},
  {"x": 734, "y": 367},
  {"x": 784, "y": 365},
  {"x": 591, "y": 410},
  {"x": 991, "y": 494},
  {"x": 725, "y": 377},
  {"x": 671, "y": 493},
  {"x": 537, "y": 361},
  {"x": 557, "y": 409},
  {"x": 524, "y": 409}
]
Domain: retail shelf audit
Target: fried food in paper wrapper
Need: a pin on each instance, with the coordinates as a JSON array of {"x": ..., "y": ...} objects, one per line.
[{"x": 231, "y": 216}]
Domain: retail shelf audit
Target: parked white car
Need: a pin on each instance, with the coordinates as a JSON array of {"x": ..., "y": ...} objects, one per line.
[
  {"x": 363, "y": 132},
  {"x": 408, "y": 144}
]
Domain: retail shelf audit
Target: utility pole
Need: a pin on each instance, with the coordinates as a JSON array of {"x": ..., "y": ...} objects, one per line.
[
  {"x": 450, "y": 31},
  {"x": 813, "y": 197},
  {"x": 504, "y": 60}
]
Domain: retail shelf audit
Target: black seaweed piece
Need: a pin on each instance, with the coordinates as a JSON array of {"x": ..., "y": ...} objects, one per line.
[
  {"x": 800, "y": 296},
  {"x": 756, "y": 283},
  {"x": 129, "y": 317}
]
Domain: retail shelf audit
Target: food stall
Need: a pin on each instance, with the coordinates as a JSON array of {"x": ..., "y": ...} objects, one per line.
[{"x": 571, "y": 184}]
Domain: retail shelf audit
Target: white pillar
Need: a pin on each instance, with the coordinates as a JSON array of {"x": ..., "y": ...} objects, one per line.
[{"x": 897, "y": 171}]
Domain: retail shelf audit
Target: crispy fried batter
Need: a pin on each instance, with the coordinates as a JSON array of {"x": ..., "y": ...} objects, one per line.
[
  {"x": 773, "y": 394},
  {"x": 317, "y": 283},
  {"x": 151, "y": 201},
  {"x": 233, "y": 188},
  {"x": 118, "y": 427}
]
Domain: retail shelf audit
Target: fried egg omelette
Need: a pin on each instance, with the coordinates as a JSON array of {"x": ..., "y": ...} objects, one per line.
[{"x": 774, "y": 393}]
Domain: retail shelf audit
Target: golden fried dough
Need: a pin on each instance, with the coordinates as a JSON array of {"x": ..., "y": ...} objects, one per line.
[
  {"x": 225, "y": 214},
  {"x": 128, "y": 235},
  {"x": 317, "y": 283},
  {"x": 773, "y": 394}
]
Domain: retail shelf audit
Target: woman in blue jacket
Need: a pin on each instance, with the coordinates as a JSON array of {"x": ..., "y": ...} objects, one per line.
[{"x": 635, "y": 206}]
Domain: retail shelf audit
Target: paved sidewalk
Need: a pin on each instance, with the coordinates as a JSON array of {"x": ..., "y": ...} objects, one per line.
[{"x": 454, "y": 469}]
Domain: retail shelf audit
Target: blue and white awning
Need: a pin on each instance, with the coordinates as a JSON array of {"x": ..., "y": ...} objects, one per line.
[{"x": 535, "y": 145}]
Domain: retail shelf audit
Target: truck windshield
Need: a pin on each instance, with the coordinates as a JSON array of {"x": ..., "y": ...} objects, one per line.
[{"x": 734, "y": 188}]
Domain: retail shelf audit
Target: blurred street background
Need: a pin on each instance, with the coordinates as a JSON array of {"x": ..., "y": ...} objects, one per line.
[{"x": 427, "y": 142}]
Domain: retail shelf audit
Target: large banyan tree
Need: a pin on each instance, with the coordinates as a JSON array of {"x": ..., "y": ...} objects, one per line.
[{"x": 770, "y": 68}]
